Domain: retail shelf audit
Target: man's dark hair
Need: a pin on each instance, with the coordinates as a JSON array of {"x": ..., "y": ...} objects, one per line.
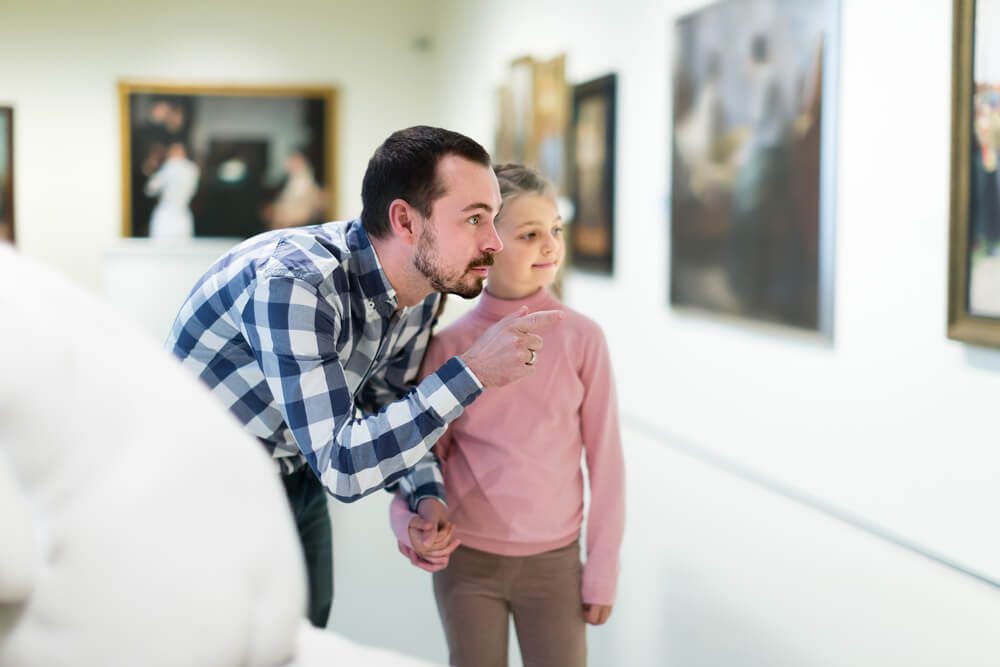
[{"x": 405, "y": 167}]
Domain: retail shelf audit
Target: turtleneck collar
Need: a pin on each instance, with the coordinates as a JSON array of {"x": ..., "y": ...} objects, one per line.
[{"x": 493, "y": 308}]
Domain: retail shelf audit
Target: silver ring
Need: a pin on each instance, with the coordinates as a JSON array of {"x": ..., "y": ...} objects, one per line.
[{"x": 531, "y": 360}]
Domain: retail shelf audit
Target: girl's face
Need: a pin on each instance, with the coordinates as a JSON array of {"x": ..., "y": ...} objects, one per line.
[{"x": 532, "y": 234}]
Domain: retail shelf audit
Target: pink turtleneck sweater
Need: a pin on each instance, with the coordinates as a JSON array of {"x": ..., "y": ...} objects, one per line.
[{"x": 512, "y": 460}]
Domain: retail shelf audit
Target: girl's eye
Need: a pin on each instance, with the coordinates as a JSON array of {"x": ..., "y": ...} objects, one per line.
[
  {"x": 530, "y": 236},
  {"x": 557, "y": 231},
  {"x": 474, "y": 220}
]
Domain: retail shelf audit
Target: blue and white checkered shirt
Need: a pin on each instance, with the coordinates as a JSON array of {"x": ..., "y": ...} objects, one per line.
[{"x": 298, "y": 333}]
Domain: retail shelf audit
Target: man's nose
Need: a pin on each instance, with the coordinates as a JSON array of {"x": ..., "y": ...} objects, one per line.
[{"x": 492, "y": 242}]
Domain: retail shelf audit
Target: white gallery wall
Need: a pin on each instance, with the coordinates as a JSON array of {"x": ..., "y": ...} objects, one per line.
[
  {"x": 60, "y": 62},
  {"x": 891, "y": 420},
  {"x": 890, "y": 425}
]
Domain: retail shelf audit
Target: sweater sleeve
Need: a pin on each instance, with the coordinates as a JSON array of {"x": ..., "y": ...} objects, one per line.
[
  {"x": 399, "y": 519},
  {"x": 606, "y": 470}
]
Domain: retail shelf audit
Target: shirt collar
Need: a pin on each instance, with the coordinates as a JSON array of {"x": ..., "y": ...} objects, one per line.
[{"x": 374, "y": 283}]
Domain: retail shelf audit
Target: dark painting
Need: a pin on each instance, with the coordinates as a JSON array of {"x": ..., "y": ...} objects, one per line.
[
  {"x": 592, "y": 175},
  {"x": 225, "y": 162},
  {"x": 6, "y": 174},
  {"x": 974, "y": 303}
]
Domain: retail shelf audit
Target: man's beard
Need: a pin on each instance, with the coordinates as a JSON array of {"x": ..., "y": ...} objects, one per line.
[{"x": 426, "y": 261}]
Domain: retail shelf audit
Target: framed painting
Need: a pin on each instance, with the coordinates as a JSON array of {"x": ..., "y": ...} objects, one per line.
[
  {"x": 504, "y": 137},
  {"x": 7, "y": 174},
  {"x": 533, "y": 115},
  {"x": 592, "y": 175},
  {"x": 550, "y": 121},
  {"x": 225, "y": 161},
  {"x": 974, "y": 265},
  {"x": 752, "y": 161}
]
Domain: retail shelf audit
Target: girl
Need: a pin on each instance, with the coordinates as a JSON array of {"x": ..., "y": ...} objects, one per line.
[{"x": 512, "y": 466}]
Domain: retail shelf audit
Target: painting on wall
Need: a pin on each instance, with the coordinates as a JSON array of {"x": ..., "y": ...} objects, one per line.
[
  {"x": 7, "y": 174},
  {"x": 592, "y": 175},
  {"x": 752, "y": 142},
  {"x": 974, "y": 276},
  {"x": 533, "y": 114},
  {"x": 225, "y": 161}
]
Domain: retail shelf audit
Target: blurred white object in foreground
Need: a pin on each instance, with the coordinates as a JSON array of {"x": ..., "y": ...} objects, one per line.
[{"x": 140, "y": 525}]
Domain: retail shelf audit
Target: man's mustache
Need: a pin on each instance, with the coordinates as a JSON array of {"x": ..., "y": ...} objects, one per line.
[{"x": 485, "y": 260}]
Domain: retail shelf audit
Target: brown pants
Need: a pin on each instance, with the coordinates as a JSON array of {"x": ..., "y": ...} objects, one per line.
[{"x": 478, "y": 590}]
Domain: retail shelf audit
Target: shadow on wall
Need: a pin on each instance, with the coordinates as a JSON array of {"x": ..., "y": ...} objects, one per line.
[
  {"x": 983, "y": 358},
  {"x": 717, "y": 632}
]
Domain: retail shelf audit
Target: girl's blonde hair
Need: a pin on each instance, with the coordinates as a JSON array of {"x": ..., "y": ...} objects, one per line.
[{"x": 516, "y": 180}]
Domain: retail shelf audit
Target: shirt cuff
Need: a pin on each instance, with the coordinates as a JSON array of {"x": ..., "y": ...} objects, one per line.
[
  {"x": 450, "y": 389},
  {"x": 469, "y": 371},
  {"x": 427, "y": 491}
]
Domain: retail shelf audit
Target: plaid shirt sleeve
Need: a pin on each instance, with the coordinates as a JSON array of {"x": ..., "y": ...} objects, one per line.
[
  {"x": 423, "y": 479},
  {"x": 294, "y": 333}
]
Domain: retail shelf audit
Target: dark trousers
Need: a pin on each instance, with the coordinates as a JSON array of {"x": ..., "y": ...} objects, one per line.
[{"x": 312, "y": 519}]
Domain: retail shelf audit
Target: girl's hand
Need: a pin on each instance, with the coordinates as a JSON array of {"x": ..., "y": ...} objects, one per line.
[
  {"x": 432, "y": 536},
  {"x": 416, "y": 560},
  {"x": 432, "y": 542},
  {"x": 596, "y": 614}
]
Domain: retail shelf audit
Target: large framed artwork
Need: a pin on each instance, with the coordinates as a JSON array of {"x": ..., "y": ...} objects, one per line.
[
  {"x": 752, "y": 138},
  {"x": 7, "y": 174},
  {"x": 592, "y": 175},
  {"x": 533, "y": 115},
  {"x": 225, "y": 161},
  {"x": 974, "y": 276}
]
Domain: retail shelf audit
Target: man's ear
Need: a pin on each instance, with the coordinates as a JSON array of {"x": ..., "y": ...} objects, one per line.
[{"x": 404, "y": 221}]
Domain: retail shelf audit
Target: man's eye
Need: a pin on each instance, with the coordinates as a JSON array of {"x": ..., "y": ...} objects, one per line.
[{"x": 474, "y": 220}]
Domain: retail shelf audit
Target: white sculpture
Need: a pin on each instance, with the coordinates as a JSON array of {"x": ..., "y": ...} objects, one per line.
[{"x": 139, "y": 524}]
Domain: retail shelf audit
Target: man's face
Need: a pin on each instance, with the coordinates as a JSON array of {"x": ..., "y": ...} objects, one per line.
[{"x": 458, "y": 240}]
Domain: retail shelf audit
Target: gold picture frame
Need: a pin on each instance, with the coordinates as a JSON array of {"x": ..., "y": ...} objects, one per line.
[
  {"x": 244, "y": 158},
  {"x": 974, "y": 239}
]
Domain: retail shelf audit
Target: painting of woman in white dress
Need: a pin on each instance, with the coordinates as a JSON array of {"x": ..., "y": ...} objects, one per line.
[{"x": 174, "y": 183}]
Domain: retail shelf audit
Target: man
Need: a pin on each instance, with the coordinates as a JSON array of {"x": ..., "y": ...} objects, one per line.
[{"x": 311, "y": 336}]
